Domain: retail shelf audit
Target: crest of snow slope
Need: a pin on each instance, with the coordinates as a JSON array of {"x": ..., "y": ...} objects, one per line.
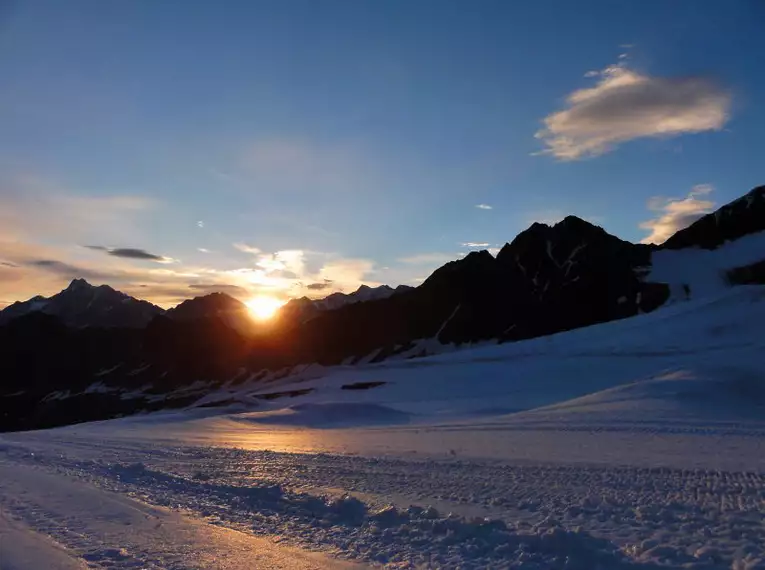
[
  {"x": 717, "y": 338},
  {"x": 728, "y": 393},
  {"x": 703, "y": 270}
]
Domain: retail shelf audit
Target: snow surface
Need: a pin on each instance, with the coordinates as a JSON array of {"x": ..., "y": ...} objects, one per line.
[
  {"x": 703, "y": 270},
  {"x": 632, "y": 444}
]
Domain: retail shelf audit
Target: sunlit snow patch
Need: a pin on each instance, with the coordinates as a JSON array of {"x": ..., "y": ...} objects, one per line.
[{"x": 318, "y": 415}]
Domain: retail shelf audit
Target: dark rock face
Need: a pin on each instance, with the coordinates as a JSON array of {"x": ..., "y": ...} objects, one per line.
[
  {"x": 547, "y": 280},
  {"x": 734, "y": 220},
  {"x": 575, "y": 274},
  {"x": 753, "y": 274}
]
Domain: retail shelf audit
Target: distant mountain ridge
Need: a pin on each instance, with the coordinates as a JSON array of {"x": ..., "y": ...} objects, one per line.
[
  {"x": 82, "y": 304},
  {"x": 549, "y": 278},
  {"x": 305, "y": 308}
]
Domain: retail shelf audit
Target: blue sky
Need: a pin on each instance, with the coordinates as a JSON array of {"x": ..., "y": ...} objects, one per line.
[{"x": 264, "y": 146}]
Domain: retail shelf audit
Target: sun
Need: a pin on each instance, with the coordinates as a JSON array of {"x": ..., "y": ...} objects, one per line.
[{"x": 264, "y": 307}]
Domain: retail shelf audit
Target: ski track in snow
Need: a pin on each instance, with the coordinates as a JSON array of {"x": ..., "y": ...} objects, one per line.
[{"x": 407, "y": 513}]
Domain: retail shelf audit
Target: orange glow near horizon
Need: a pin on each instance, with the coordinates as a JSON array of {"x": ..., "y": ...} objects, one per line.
[{"x": 264, "y": 307}]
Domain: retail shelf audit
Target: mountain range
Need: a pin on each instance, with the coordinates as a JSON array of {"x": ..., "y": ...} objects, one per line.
[
  {"x": 92, "y": 352},
  {"x": 84, "y": 305}
]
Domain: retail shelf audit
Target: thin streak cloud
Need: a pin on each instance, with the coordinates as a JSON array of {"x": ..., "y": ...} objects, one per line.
[{"x": 132, "y": 253}]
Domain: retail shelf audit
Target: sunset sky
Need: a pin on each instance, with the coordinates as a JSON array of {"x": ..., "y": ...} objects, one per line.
[{"x": 297, "y": 147}]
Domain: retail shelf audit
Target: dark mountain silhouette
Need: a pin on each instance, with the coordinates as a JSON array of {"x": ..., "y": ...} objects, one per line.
[
  {"x": 206, "y": 306},
  {"x": 743, "y": 216},
  {"x": 548, "y": 279}
]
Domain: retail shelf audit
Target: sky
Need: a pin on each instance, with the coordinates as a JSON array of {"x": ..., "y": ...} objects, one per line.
[{"x": 301, "y": 147}]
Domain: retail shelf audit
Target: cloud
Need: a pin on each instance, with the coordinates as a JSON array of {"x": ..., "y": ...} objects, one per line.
[
  {"x": 67, "y": 270},
  {"x": 484, "y": 207},
  {"x": 288, "y": 263},
  {"x": 132, "y": 253},
  {"x": 319, "y": 286},
  {"x": 203, "y": 250},
  {"x": 43, "y": 227},
  {"x": 475, "y": 244},
  {"x": 676, "y": 213},
  {"x": 347, "y": 273},
  {"x": 244, "y": 248},
  {"x": 625, "y": 105},
  {"x": 428, "y": 258},
  {"x": 200, "y": 224},
  {"x": 233, "y": 290},
  {"x": 295, "y": 272}
]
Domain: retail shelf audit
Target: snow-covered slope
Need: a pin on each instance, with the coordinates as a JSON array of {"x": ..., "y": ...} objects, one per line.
[
  {"x": 634, "y": 444},
  {"x": 697, "y": 272},
  {"x": 717, "y": 334}
]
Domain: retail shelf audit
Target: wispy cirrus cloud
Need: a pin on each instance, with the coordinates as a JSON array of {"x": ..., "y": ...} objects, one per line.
[
  {"x": 475, "y": 244},
  {"x": 43, "y": 227},
  {"x": 246, "y": 248},
  {"x": 674, "y": 214},
  {"x": 484, "y": 207},
  {"x": 625, "y": 105}
]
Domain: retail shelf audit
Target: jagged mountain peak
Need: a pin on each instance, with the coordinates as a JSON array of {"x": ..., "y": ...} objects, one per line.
[
  {"x": 78, "y": 284},
  {"x": 577, "y": 224},
  {"x": 82, "y": 287},
  {"x": 81, "y": 304}
]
